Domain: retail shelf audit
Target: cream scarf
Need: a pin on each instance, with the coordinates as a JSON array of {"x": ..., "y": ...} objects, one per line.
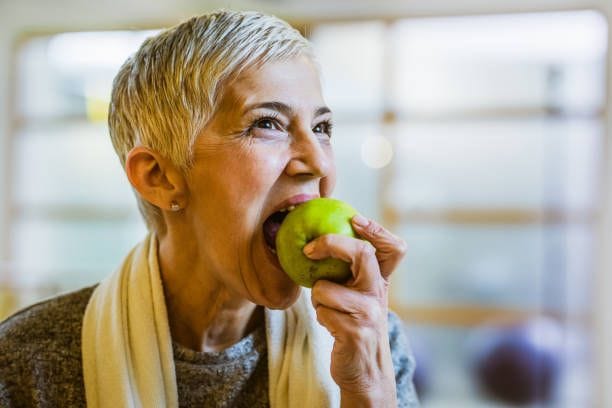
[{"x": 127, "y": 348}]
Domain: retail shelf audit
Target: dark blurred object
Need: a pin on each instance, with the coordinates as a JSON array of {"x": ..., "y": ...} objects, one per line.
[
  {"x": 519, "y": 363},
  {"x": 421, "y": 378}
]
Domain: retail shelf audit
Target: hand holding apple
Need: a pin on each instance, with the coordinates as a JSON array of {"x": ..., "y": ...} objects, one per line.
[{"x": 355, "y": 313}]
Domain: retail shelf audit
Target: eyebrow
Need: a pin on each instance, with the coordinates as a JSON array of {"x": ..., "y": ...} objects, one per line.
[{"x": 284, "y": 108}]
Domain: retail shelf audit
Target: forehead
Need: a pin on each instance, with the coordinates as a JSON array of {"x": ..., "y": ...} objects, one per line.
[{"x": 294, "y": 82}]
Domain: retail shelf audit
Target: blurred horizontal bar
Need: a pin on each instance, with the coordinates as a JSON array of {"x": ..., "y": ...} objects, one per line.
[
  {"x": 467, "y": 316},
  {"x": 395, "y": 216},
  {"x": 303, "y": 13},
  {"x": 391, "y": 116},
  {"x": 73, "y": 212}
]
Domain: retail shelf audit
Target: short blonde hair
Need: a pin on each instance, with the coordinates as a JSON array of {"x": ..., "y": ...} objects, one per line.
[{"x": 165, "y": 93}]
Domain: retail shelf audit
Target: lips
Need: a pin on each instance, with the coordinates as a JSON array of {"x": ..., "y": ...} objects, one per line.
[
  {"x": 274, "y": 220},
  {"x": 294, "y": 200}
]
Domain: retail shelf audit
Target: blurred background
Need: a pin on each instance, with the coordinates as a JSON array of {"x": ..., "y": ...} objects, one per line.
[{"x": 476, "y": 130}]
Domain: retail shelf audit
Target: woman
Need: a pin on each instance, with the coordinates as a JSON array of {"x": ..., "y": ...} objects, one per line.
[{"x": 219, "y": 123}]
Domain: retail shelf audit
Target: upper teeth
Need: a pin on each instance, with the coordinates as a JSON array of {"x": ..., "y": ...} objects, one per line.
[{"x": 290, "y": 208}]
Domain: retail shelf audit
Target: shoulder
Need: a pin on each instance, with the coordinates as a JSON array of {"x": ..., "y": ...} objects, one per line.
[
  {"x": 41, "y": 345},
  {"x": 49, "y": 328},
  {"x": 49, "y": 320}
]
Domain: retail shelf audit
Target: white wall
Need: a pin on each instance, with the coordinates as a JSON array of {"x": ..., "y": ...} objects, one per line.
[
  {"x": 5, "y": 45},
  {"x": 603, "y": 304}
]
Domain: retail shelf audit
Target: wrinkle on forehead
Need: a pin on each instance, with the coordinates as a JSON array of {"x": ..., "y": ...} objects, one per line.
[{"x": 275, "y": 81}]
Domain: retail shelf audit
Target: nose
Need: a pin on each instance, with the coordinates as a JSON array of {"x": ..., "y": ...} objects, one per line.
[{"x": 309, "y": 156}]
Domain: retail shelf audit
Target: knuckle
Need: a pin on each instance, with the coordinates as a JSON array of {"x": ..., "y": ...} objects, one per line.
[
  {"x": 374, "y": 228},
  {"x": 370, "y": 314},
  {"x": 327, "y": 239},
  {"x": 402, "y": 247},
  {"x": 373, "y": 313},
  {"x": 318, "y": 289},
  {"x": 315, "y": 291},
  {"x": 366, "y": 249},
  {"x": 377, "y": 296},
  {"x": 320, "y": 312}
]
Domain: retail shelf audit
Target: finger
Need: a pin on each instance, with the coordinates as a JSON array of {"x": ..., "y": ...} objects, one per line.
[
  {"x": 349, "y": 301},
  {"x": 359, "y": 253},
  {"x": 328, "y": 318},
  {"x": 380, "y": 237},
  {"x": 337, "y": 297},
  {"x": 343, "y": 326},
  {"x": 337, "y": 323},
  {"x": 390, "y": 249}
]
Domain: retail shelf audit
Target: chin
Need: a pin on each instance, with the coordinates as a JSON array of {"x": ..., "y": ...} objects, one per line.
[
  {"x": 282, "y": 298},
  {"x": 275, "y": 290}
]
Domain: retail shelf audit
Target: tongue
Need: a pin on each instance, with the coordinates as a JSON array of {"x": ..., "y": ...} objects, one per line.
[{"x": 271, "y": 226}]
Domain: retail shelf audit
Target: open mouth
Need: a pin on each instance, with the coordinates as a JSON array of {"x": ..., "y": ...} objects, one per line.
[{"x": 272, "y": 225}]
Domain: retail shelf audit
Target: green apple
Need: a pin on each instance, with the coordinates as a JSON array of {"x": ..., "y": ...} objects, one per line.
[{"x": 306, "y": 222}]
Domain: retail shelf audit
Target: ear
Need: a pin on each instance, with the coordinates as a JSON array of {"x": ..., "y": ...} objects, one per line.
[{"x": 156, "y": 178}]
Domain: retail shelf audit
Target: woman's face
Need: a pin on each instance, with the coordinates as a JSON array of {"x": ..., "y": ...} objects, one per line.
[{"x": 266, "y": 148}]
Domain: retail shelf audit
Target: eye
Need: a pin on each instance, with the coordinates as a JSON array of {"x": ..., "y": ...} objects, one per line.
[
  {"x": 323, "y": 127},
  {"x": 266, "y": 123},
  {"x": 267, "y": 126}
]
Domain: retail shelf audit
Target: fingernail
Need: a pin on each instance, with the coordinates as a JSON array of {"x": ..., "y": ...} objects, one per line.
[
  {"x": 360, "y": 220},
  {"x": 309, "y": 249}
]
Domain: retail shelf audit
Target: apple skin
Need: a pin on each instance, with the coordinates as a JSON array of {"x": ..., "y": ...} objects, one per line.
[{"x": 306, "y": 222}]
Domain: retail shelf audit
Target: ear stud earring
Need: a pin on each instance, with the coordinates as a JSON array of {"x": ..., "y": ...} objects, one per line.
[{"x": 174, "y": 206}]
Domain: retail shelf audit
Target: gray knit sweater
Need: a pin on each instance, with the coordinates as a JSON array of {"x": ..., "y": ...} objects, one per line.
[{"x": 40, "y": 362}]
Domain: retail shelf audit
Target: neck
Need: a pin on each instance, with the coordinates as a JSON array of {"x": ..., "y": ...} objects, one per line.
[{"x": 203, "y": 314}]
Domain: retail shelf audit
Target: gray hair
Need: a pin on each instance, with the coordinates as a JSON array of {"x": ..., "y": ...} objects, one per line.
[{"x": 164, "y": 95}]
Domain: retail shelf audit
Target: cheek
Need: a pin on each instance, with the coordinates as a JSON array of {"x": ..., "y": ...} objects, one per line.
[
  {"x": 326, "y": 187},
  {"x": 268, "y": 164},
  {"x": 328, "y": 183},
  {"x": 249, "y": 183},
  {"x": 253, "y": 172}
]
